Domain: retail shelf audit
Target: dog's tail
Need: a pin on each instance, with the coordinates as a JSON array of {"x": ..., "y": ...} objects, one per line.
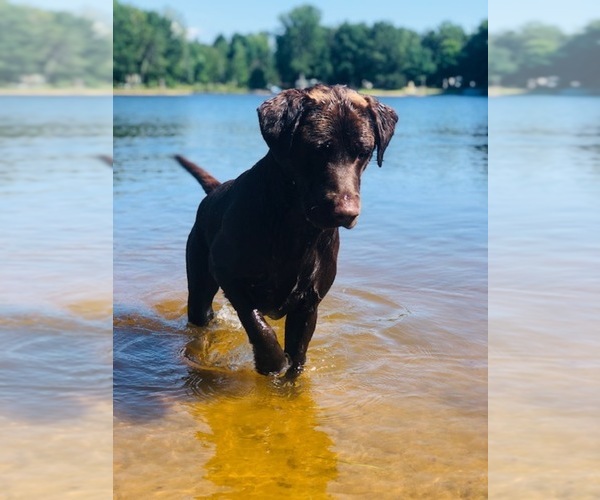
[{"x": 207, "y": 181}]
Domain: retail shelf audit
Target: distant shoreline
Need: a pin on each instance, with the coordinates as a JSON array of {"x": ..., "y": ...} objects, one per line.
[
  {"x": 59, "y": 92},
  {"x": 186, "y": 91},
  {"x": 405, "y": 92},
  {"x": 493, "y": 91},
  {"x": 182, "y": 91}
]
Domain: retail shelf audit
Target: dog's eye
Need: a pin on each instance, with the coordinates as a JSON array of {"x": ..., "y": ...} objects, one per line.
[{"x": 324, "y": 146}]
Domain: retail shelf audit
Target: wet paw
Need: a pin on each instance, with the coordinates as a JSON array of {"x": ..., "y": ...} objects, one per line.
[
  {"x": 294, "y": 371},
  {"x": 272, "y": 366},
  {"x": 201, "y": 319}
]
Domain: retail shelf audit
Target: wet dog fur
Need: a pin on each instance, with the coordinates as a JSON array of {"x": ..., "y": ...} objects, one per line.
[{"x": 270, "y": 237}]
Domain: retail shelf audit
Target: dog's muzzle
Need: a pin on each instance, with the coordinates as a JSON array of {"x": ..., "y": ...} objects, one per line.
[{"x": 335, "y": 211}]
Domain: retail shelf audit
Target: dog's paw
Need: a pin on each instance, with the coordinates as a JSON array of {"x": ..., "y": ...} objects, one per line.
[
  {"x": 201, "y": 319},
  {"x": 274, "y": 366},
  {"x": 294, "y": 371}
]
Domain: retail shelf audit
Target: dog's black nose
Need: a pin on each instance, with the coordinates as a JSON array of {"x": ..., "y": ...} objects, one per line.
[
  {"x": 348, "y": 221},
  {"x": 346, "y": 210},
  {"x": 346, "y": 218}
]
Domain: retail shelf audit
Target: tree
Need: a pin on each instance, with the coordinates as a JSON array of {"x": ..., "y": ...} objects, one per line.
[
  {"x": 150, "y": 45},
  {"x": 539, "y": 45},
  {"x": 237, "y": 68},
  {"x": 351, "y": 46},
  {"x": 530, "y": 52},
  {"x": 445, "y": 44},
  {"x": 153, "y": 46},
  {"x": 418, "y": 59},
  {"x": 152, "y": 63},
  {"x": 260, "y": 60},
  {"x": 302, "y": 47},
  {"x": 501, "y": 62},
  {"x": 55, "y": 48},
  {"x": 221, "y": 46},
  {"x": 206, "y": 63},
  {"x": 577, "y": 59},
  {"x": 397, "y": 57},
  {"x": 473, "y": 62}
]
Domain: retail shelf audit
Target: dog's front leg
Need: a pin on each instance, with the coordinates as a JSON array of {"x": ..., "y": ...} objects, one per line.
[
  {"x": 269, "y": 357},
  {"x": 299, "y": 328}
]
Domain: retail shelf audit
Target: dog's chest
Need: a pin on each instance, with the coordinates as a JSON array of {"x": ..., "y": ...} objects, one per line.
[{"x": 285, "y": 283}]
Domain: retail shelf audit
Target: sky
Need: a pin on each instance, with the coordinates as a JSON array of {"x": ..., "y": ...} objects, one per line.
[
  {"x": 243, "y": 16},
  {"x": 569, "y": 15},
  {"x": 206, "y": 19}
]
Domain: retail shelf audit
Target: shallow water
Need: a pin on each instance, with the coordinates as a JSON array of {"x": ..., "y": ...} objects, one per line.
[
  {"x": 394, "y": 398},
  {"x": 55, "y": 297},
  {"x": 544, "y": 229},
  {"x": 393, "y": 401}
]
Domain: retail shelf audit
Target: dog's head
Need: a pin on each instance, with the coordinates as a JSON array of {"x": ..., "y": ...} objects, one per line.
[{"x": 324, "y": 137}]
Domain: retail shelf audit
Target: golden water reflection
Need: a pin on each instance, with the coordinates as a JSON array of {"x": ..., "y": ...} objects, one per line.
[
  {"x": 265, "y": 436},
  {"x": 193, "y": 419}
]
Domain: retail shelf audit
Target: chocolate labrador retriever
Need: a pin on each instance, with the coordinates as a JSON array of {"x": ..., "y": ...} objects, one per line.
[{"x": 270, "y": 238}]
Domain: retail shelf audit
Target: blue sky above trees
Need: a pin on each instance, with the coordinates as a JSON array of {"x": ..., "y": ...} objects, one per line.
[{"x": 208, "y": 19}]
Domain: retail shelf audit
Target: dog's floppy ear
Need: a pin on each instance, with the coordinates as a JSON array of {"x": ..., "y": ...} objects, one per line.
[
  {"x": 278, "y": 118},
  {"x": 385, "y": 119}
]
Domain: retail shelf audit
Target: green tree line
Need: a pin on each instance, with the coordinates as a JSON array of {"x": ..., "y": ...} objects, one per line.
[
  {"x": 541, "y": 55},
  {"x": 152, "y": 49},
  {"x": 39, "y": 47}
]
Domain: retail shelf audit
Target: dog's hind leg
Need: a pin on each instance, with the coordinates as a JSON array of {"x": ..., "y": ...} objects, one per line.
[{"x": 202, "y": 287}]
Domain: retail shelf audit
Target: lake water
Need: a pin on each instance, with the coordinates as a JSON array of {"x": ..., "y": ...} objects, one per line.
[
  {"x": 55, "y": 297},
  {"x": 544, "y": 233},
  {"x": 393, "y": 402}
]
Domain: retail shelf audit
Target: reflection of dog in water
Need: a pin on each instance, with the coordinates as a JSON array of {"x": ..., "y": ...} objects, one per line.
[
  {"x": 270, "y": 238},
  {"x": 263, "y": 440}
]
